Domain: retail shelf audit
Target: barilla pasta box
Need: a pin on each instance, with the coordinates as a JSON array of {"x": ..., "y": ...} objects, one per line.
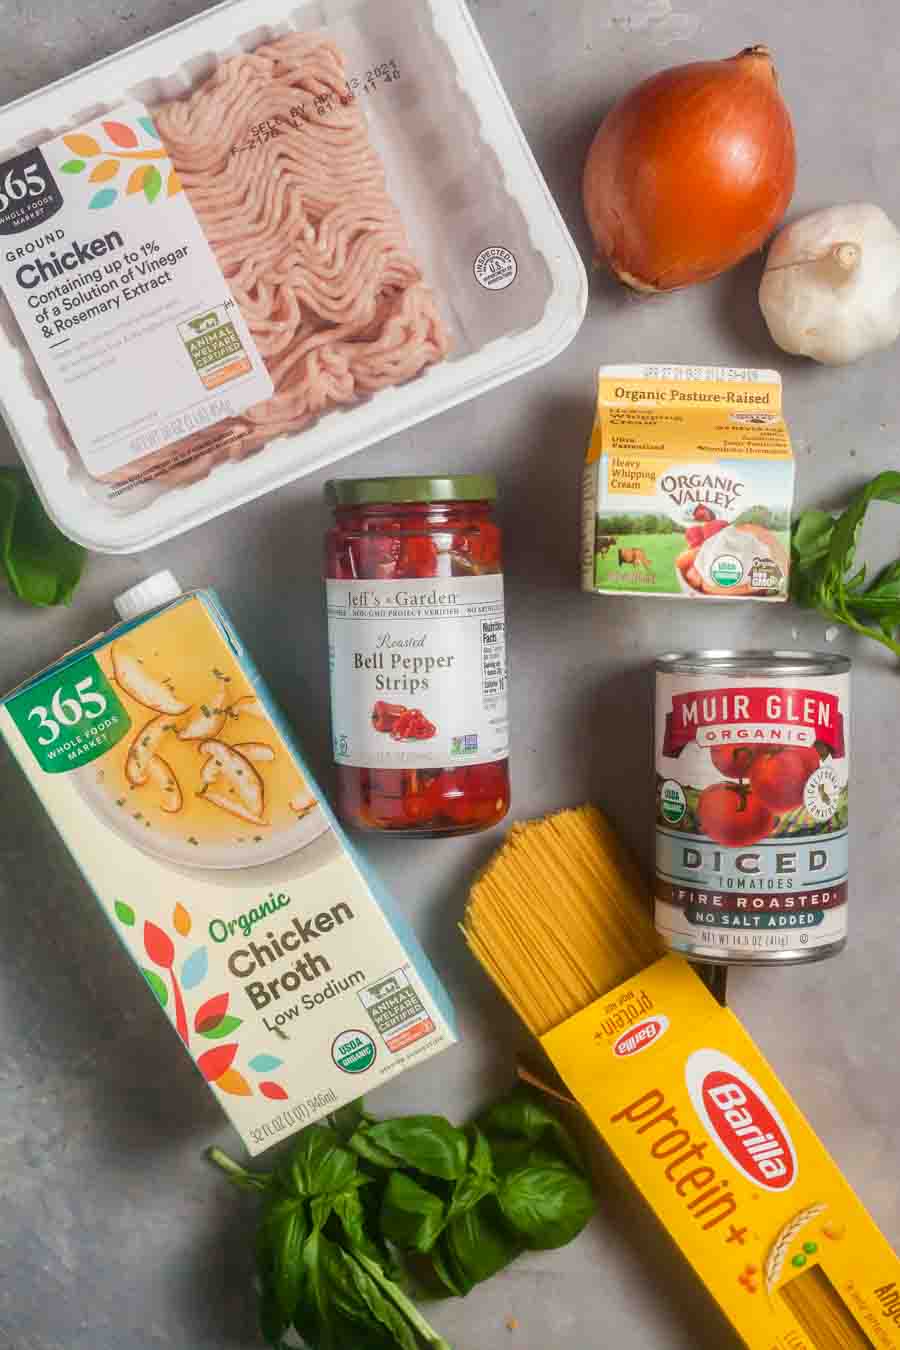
[
  {"x": 688, "y": 485},
  {"x": 696, "y": 1116},
  {"x": 282, "y": 964}
]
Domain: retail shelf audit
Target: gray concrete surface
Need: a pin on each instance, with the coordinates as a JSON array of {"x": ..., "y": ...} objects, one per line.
[{"x": 113, "y": 1233}]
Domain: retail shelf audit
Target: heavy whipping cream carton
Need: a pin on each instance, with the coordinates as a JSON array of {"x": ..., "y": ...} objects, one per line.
[
  {"x": 688, "y": 485},
  {"x": 282, "y": 964}
]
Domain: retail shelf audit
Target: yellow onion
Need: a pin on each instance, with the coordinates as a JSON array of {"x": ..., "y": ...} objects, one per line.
[{"x": 691, "y": 171}]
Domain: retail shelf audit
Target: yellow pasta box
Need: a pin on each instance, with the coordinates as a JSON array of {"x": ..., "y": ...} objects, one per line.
[
  {"x": 281, "y": 962},
  {"x": 693, "y": 1112},
  {"x": 688, "y": 485}
]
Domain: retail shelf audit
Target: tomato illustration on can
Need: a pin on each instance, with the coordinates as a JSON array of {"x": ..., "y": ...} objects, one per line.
[{"x": 752, "y": 805}]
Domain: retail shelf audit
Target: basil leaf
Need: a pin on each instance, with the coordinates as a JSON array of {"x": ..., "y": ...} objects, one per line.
[
  {"x": 317, "y": 1164},
  {"x": 288, "y": 1233},
  {"x": 409, "y": 1310},
  {"x": 481, "y": 1161},
  {"x": 411, "y": 1217},
  {"x": 525, "y": 1115},
  {"x": 510, "y": 1154},
  {"x": 363, "y": 1146},
  {"x": 811, "y": 537},
  {"x": 548, "y": 1206},
  {"x": 479, "y": 1180},
  {"x": 479, "y": 1244},
  {"x": 884, "y": 488},
  {"x": 428, "y": 1143},
  {"x": 469, "y": 1192},
  {"x": 441, "y": 1266},
  {"x": 312, "y": 1317},
  {"x": 42, "y": 566},
  {"x": 349, "y": 1211},
  {"x": 882, "y": 597},
  {"x": 320, "y": 1210},
  {"x": 358, "y": 1297}
]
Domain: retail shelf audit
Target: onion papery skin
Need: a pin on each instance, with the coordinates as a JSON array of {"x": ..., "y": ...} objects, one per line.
[{"x": 691, "y": 172}]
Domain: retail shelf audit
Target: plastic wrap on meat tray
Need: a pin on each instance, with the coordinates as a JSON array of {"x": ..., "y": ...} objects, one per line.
[{"x": 308, "y": 239}]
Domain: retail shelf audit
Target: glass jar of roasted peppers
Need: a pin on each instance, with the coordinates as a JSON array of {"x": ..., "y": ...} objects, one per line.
[{"x": 417, "y": 644}]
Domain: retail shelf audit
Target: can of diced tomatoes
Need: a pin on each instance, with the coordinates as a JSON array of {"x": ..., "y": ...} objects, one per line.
[{"x": 752, "y": 769}]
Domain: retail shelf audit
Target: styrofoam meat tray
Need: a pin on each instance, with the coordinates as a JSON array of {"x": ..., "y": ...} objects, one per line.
[{"x": 463, "y": 177}]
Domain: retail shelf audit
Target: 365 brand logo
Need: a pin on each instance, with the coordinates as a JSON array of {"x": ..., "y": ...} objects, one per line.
[
  {"x": 641, "y": 1036},
  {"x": 70, "y": 718},
  {"x": 28, "y": 192},
  {"x": 743, "y": 1122}
]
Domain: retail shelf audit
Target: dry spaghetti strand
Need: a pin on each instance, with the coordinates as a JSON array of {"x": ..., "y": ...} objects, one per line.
[
  {"x": 560, "y": 916},
  {"x": 822, "y": 1313}
]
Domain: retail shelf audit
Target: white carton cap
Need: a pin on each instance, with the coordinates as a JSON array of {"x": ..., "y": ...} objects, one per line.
[{"x": 147, "y": 595}]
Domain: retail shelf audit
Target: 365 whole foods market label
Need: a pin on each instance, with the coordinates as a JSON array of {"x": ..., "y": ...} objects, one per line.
[
  {"x": 70, "y": 718},
  {"x": 418, "y": 672},
  {"x": 118, "y": 293}
]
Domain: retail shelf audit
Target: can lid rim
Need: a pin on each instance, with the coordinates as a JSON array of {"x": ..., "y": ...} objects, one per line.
[{"x": 750, "y": 662}]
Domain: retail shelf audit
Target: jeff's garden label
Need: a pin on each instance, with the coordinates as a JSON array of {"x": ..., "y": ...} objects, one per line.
[{"x": 418, "y": 672}]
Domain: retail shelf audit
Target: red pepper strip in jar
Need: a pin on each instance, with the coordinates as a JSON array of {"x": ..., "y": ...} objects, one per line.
[
  {"x": 386, "y": 715},
  {"x": 417, "y": 638}
]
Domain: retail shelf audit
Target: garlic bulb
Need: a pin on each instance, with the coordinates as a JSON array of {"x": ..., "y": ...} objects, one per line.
[{"x": 831, "y": 288}]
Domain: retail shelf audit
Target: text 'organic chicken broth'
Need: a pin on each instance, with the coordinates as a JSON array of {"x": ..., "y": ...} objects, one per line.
[
  {"x": 171, "y": 776},
  {"x": 688, "y": 485}
]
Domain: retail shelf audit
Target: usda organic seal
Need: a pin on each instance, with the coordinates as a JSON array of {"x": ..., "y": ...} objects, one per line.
[
  {"x": 672, "y": 801},
  {"x": 727, "y": 570},
  {"x": 353, "y": 1051}
]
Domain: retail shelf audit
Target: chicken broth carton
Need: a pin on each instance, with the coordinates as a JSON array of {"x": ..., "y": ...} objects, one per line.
[
  {"x": 688, "y": 485},
  {"x": 281, "y": 963}
]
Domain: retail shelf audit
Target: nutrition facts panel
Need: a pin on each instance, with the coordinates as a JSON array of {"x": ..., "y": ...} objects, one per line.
[{"x": 493, "y": 658}]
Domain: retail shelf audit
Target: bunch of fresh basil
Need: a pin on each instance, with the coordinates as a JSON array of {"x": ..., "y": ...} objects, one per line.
[
  {"x": 359, "y": 1203},
  {"x": 825, "y": 575}
]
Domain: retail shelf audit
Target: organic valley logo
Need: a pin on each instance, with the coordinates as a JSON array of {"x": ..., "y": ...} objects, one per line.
[
  {"x": 641, "y": 1036},
  {"x": 743, "y": 1122},
  {"x": 104, "y": 162},
  {"x": 708, "y": 489}
]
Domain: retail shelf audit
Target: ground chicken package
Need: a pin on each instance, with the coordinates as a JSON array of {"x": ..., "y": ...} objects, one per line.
[
  {"x": 688, "y": 485},
  {"x": 279, "y": 959},
  {"x": 269, "y": 220}
]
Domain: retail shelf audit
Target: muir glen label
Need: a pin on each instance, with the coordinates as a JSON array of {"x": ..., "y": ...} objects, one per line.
[{"x": 752, "y": 808}]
